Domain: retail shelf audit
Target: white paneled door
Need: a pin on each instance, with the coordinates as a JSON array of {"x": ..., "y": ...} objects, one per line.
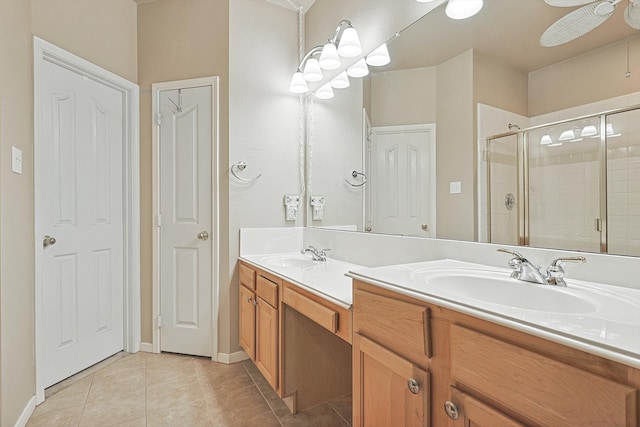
[
  {"x": 185, "y": 220},
  {"x": 402, "y": 180},
  {"x": 80, "y": 173}
]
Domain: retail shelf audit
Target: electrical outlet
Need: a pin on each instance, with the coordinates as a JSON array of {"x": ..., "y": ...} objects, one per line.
[
  {"x": 317, "y": 204},
  {"x": 16, "y": 160},
  {"x": 291, "y": 203},
  {"x": 455, "y": 187}
]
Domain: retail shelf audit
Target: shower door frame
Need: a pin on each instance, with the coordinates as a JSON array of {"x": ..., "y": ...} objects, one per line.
[{"x": 522, "y": 163}]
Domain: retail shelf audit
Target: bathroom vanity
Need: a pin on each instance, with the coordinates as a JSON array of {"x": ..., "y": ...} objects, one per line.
[
  {"x": 420, "y": 359},
  {"x": 297, "y": 332}
]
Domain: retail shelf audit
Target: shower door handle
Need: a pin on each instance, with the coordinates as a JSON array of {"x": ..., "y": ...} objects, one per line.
[{"x": 597, "y": 224}]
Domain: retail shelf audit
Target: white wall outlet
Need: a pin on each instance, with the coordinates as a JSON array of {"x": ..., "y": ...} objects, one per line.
[
  {"x": 16, "y": 160},
  {"x": 291, "y": 203},
  {"x": 317, "y": 204},
  {"x": 455, "y": 187}
]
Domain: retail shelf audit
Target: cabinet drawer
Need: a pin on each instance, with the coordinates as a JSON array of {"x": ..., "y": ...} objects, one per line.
[
  {"x": 248, "y": 277},
  {"x": 323, "y": 316},
  {"x": 541, "y": 389},
  {"x": 267, "y": 288},
  {"x": 400, "y": 326}
]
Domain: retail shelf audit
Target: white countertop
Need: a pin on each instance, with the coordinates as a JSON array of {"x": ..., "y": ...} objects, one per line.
[
  {"x": 326, "y": 279},
  {"x": 608, "y": 325}
]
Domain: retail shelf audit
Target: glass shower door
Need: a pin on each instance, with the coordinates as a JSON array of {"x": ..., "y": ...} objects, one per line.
[
  {"x": 563, "y": 181},
  {"x": 502, "y": 190}
]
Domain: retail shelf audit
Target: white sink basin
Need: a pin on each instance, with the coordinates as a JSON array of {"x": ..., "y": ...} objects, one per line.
[
  {"x": 299, "y": 261},
  {"x": 500, "y": 289}
]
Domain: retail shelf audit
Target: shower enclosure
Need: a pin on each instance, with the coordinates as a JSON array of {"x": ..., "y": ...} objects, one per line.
[{"x": 572, "y": 185}]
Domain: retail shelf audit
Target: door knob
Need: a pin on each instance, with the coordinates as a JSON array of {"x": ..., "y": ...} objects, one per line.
[
  {"x": 48, "y": 241},
  {"x": 203, "y": 235},
  {"x": 425, "y": 227}
]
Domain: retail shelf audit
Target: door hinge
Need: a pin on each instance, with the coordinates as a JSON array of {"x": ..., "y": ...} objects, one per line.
[
  {"x": 158, "y": 220},
  {"x": 158, "y": 119},
  {"x": 159, "y": 322}
]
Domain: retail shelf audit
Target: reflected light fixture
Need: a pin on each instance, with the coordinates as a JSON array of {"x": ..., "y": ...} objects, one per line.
[
  {"x": 341, "y": 81},
  {"x": 298, "y": 83},
  {"x": 556, "y": 144},
  {"x": 610, "y": 132},
  {"x": 546, "y": 139},
  {"x": 329, "y": 59},
  {"x": 589, "y": 130},
  {"x": 463, "y": 9},
  {"x": 567, "y": 135},
  {"x": 312, "y": 72},
  {"x": 325, "y": 92},
  {"x": 349, "y": 44},
  {"x": 359, "y": 69},
  {"x": 379, "y": 57}
]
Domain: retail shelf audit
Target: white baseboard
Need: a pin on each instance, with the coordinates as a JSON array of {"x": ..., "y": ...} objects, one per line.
[
  {"x": 26, "y": 413},
  {"x": 229, "y": 358},
  {"x": 147, "y": 347}
]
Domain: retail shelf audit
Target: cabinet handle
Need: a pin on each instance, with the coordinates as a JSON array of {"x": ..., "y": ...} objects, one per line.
[
  {"x": 452, "y": 410},
  {"x": 249, "y": 299},
  {"x": 414, "y": 386}
]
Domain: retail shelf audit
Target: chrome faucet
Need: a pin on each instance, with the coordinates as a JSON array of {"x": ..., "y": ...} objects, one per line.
[
  {"x": 523, "y": 269},
  {"x": 317, "y": 255}
]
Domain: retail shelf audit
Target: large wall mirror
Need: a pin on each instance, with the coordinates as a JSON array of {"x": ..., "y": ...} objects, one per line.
[{"x": 405, "y": 149}]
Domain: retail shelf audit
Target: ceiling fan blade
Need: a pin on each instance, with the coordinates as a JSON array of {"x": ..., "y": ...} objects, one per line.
[
  {"x": 568, "y": 3},
  {"x": 632, "y": 15},
  {"x": 575, "y": 24}
]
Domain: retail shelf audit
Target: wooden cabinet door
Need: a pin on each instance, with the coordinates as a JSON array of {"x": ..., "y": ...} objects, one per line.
[
  {"x": 381, "y": 395},
  {"x": 267, "y": 341},
  {"x": 248, "y": 321},
  {"x": 474, "y": 413}
]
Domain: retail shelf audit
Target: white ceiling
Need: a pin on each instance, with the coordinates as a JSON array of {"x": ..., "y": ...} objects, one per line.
[{"x": 508, "y": 30}]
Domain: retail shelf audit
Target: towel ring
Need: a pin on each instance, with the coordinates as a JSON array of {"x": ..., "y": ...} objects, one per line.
[
  {"x": 242, "y": 166},
  {"x": 355, "y": 175}
]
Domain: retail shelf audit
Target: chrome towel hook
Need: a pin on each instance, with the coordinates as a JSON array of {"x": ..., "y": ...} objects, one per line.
[
  {"x": 355, "y": 175},
  {"x": 241, "y": 165}
]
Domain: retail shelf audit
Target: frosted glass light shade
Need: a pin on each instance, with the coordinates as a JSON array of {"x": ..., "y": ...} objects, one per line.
[
  {"x": 567, "y": 135},
  {"x": 312, "y": 72},
  {"x": 463, "y": 9},
  {"x": 298, "y": 83},
  {"x": 325, "y": 92},
  {"x": 611, "y": 133},
  {"x": 589, "y": 130},
  {"x": 329, "y": 59},
  {"x": 349, "y": 45},
  {"x": 341, "y": 81},
  {"x": 546, "y": 139},
  {"x": 359, "y": 69},
  {"x": 379, "y": 57}
]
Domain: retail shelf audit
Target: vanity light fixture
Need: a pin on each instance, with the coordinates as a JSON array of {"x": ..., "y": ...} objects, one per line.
[
  {"x": 463, "y": 9},
  {"x": 359, "y": 69},
  {"x": 567, "y": 135},
  {"x": 329, "y": 59},
  {"x": 341, "y": 81},
  {"x": 325, "y": 92},
  {"x": 312, "y": 72},
  {"x": 298, "y": 83},
  {"x": 546, "y": 139},
  {"x": 610, "y": 132},
  {"x": 589, "y": 131},
  {"x": 556, "y": 144},
  {"x": 379, "y": 57},
  {"x": 349, "y": 45}
]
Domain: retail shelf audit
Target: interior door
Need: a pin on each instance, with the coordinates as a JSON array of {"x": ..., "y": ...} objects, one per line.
[
  {"x": 400, "y": 175},
  {"x": 79, "y": 163},
  {"x": 186, "y": 220}
]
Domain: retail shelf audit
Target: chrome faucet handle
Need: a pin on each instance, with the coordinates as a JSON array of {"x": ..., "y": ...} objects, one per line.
[
  {"x": 516, "y": 255},
  {"x": 555, "y": 272}
]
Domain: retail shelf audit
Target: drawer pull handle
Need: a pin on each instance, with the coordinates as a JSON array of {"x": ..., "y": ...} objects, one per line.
[
  {"x": 452, "y": 410},
  {"x": 414, "y": 386}
]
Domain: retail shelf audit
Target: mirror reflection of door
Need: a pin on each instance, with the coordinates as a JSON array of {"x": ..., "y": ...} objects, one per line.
[{"x": 402, "y": 174}]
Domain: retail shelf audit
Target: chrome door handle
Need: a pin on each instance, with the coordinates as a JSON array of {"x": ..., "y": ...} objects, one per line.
[
  {"x": 425, "y": 227},
  {"x": 48, "y": 241},
  {"x": 203, "y": 235}
]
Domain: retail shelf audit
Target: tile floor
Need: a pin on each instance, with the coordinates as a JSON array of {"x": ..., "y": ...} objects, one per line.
[{"x": 145, "y": 389}]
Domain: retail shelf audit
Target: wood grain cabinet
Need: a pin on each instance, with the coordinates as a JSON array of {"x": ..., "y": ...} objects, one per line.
[
  {"x": 259, "y": 320},
  {"x": 475, "y": 373}
]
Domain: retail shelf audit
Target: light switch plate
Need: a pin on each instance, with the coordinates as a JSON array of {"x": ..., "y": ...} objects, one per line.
[
  {"x": 16, "y": 160},
  {"x": 455, "y": 187}
]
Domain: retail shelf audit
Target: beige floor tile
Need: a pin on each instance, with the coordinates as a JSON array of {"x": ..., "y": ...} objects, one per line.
[
  {"x": 236, "y": 402},
  {"x": 138, "y": 422},
  {"x": 74, "y": 395},
  {"x": 114, "y": 410},
  {"x": 169, "y": 395},
  {"x": 193, "y": 414},
  {"x": 167, "y": 373},
  {"x": 60, "y": 418},
  {"x": 320, "y": 416},
  {"x": 128, "y": 362},
  {"x": 229, "y": 376},
  {"x": 344, "y": 406},
  {"x": 127, "y": 381},
  {"x": 165, "y": 359},
  {"x": 267, "y": 419}
]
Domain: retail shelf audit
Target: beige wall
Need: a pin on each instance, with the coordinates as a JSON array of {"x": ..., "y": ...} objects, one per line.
[
  {"x": 17, "y": 373},
  {"x": 102, "y": 32},
  {"x": 499, "y": 85},
  {"x": 591, "y": 77},
  {"x": 180, "y": 40},
  {"x": 455, "y": 148}
]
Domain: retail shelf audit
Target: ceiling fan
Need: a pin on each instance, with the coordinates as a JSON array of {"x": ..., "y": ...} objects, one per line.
[{"x": 588, "y": 17}]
